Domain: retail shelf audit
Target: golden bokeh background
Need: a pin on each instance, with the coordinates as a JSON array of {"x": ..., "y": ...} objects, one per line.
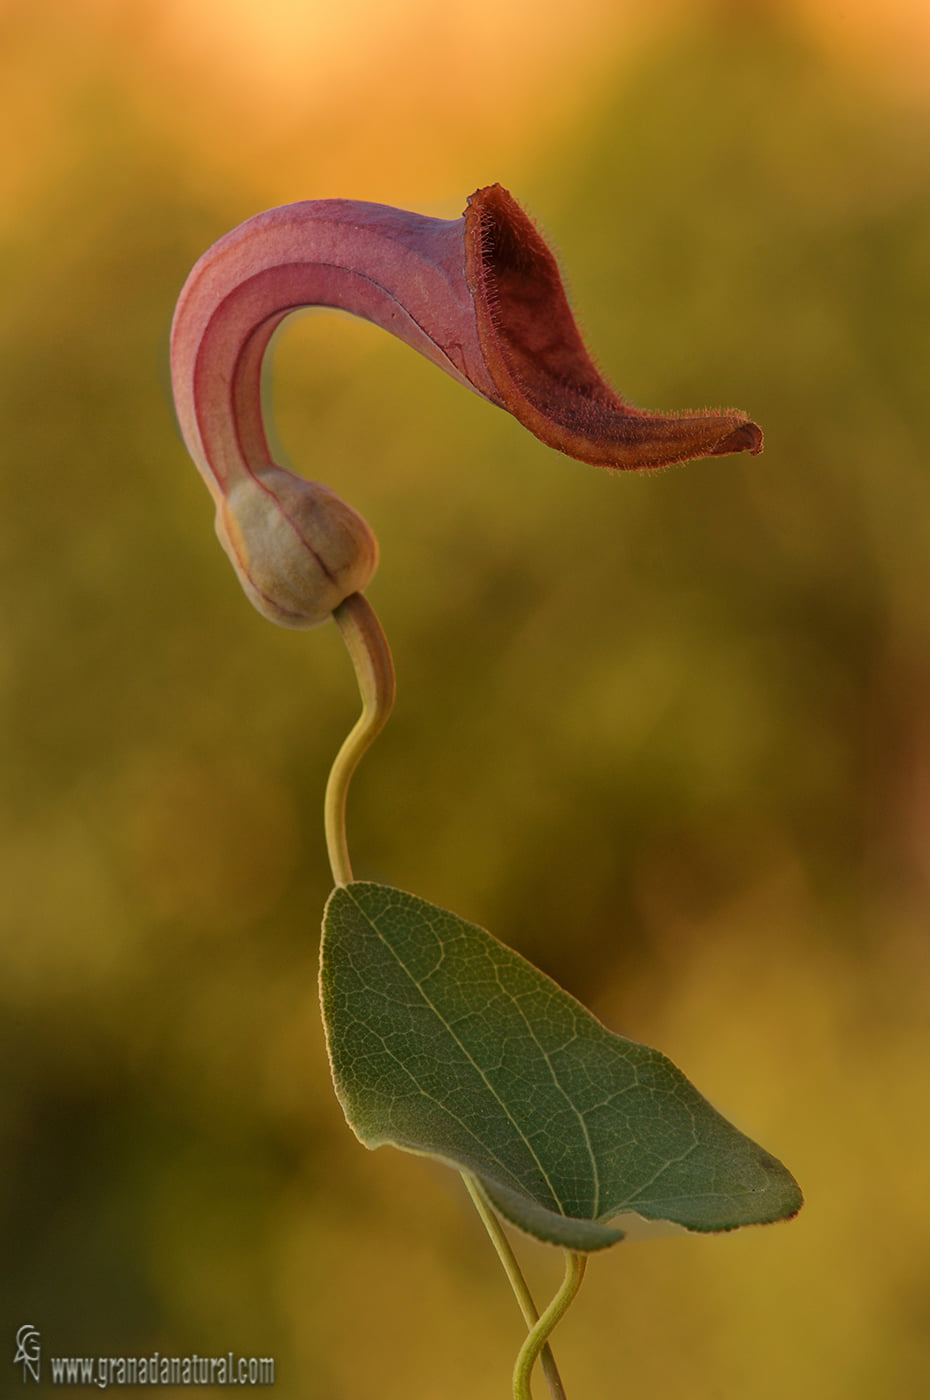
[{"x": 668, "y": 736}]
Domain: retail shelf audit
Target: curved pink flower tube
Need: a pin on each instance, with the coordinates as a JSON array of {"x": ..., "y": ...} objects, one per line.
[{"x": 480, "y": 296}]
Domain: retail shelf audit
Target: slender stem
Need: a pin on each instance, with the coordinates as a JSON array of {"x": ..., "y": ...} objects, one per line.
[
  {"x": 515, "y": 1276},
  {"x": 574, "y": 1272},
  {"x": 374, "y": 669}
]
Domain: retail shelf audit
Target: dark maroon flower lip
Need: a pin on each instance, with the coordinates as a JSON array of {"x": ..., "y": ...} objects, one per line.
[{"x": 541, "y": 369}]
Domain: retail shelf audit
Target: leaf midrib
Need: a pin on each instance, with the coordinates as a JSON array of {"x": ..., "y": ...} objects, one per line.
[
  {"x": 477, "y": 1068},
  {"x": 595, "y": 1172}
]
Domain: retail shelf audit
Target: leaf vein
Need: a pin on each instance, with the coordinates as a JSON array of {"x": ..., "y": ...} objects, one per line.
[{"x": 464, "y": 1049}]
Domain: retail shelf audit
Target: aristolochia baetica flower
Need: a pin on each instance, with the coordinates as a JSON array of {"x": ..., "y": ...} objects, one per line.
[{"x": 480, "y": 296}]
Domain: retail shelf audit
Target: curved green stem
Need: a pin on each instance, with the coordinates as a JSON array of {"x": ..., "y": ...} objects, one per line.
[
  {"x": 374, "y": 669},
  {"x": 515, "y": 1276},
  {"x": 574, "y": 1272}
]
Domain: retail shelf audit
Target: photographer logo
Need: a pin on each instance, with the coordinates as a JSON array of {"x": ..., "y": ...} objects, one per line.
[{"x": 28, "y": 1351}]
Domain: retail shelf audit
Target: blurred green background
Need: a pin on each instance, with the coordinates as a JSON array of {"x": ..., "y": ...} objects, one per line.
[{"x": 669, "y": 736}]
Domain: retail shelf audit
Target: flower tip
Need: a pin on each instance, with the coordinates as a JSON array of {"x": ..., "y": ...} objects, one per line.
[
  {"x": 747, "y": 437},
  {"x": 540, "y": 368}
]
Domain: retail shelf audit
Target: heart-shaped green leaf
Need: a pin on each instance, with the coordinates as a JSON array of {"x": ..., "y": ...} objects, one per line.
[{"x": 447, "y": 1043}]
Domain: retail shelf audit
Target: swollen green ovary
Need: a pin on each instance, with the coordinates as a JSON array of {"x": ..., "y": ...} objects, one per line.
[{"x": 299, "y": 550}]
